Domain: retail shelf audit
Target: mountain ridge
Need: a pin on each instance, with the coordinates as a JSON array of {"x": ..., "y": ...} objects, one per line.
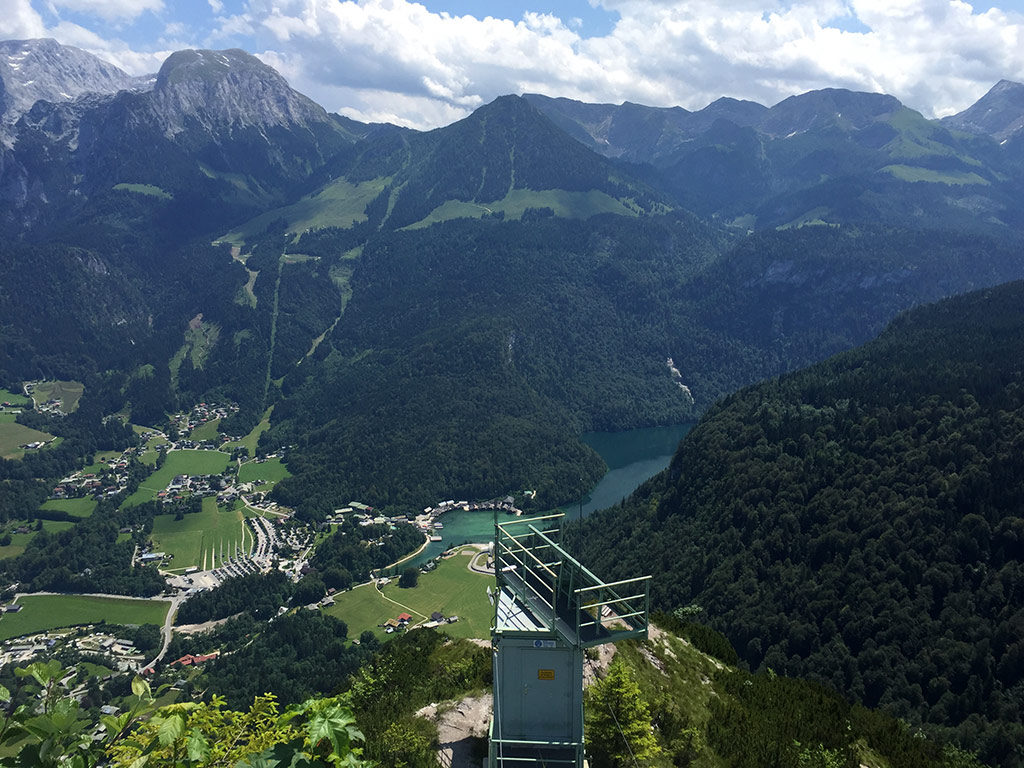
[
  {"x": 45, "y": 70},
  {"x": 999, "y": 113}
]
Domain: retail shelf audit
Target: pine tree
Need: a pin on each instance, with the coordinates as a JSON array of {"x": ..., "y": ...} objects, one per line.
[{"x": 619, "y": 730}]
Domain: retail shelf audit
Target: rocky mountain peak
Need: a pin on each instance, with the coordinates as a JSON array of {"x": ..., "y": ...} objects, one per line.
[
  {"x": 45, "y": 70},
  {"x": 828, "y": 106},
  {"x": 999, "y": 113},
  {"x": 227, "y": 89}
]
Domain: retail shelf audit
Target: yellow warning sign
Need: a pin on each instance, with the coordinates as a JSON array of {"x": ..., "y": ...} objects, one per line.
[{"x": 545, "y": 674}]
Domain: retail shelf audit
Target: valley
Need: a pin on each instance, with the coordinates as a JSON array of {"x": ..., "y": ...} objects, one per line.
[{"x": 266, "y": 370}]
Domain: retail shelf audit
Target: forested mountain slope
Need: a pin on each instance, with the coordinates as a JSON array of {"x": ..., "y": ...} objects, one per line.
[
  {"x": 859, "y": 521},
  {"x": 472, "y": 354}
]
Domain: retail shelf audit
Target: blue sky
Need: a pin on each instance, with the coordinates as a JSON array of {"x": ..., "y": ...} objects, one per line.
[{"x": 428, "y": 63}]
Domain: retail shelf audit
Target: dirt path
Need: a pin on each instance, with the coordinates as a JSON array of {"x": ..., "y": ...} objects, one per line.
[
  {"x": 460, "y": 726},
  {"x": 403, "y": 607},
  {"x": 407, "y": 557}
]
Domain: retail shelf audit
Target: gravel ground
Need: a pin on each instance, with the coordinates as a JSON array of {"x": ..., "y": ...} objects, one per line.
[{"x": 459, "y": 724}]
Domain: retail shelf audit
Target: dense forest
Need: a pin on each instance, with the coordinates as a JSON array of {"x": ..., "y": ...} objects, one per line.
[
  {"x": 858, "y": 522},
  {"x": 295, "y": 656},
  {"x": 472, "y": 353},
  {"x": 88, "y": 556},
  {"x": 352, "y": 551},
  {"x": 258, "y": 594}
]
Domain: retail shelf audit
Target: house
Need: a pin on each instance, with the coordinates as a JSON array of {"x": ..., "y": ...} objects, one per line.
[
  {"x": 404, "y": 618},
  {"x": 437, "y": 616},
  {"x": 188, "y": 659}
]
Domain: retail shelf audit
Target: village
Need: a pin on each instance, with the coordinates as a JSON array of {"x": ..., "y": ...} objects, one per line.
[
  {"x": 89, "y": 640},
  {"x": 274, "y": 539}
]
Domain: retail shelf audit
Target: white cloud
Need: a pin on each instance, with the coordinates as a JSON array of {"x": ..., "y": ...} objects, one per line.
[
  {"x": 395, "y": 60},
  {"x": 175, "y": 29},
  {"x": 117, "y": 52},
  {"x": 19, "y": 21},
  {"x": 111, "y": 10},
  {"x": 686, "y": 52}
]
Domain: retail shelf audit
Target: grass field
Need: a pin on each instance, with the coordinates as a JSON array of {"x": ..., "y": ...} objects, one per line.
[
  {"x": 55, "y": 526},
  {"x": 69, "y": 392},
  {"x": 17, "y": 546},
  {"x": 571, "y": 205},
  {"x": 99, "y": 466},
  {"x": 452, "y": 589},
  {"x": 144, "y": 189},
  {"x": 42, "y": 612},
  {"x": 340, "y": 204},
  {"x": 206, "y": 432},
  {"x": 950, "y": 178},
  {"x": 178, "y": 463},
  {"x": 251, "y": 440},
  {"x": 74, "y": 507},
  {"x": 150, "y": 455},
  {"x": 12, "y": 435},
  {"x": 203, "y": 539},
  {"x": 270, "y": 471},
  {"x": 14, "y": 398}
]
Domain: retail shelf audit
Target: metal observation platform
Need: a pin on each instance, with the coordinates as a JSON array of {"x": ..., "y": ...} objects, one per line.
[{"x": 548, "y": 608}]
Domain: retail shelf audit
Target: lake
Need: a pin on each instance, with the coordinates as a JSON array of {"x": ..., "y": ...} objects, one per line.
[{"x": 632, "y": 457}]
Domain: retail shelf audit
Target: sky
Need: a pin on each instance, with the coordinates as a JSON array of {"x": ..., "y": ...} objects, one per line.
[{"x": 427, "y": 64}]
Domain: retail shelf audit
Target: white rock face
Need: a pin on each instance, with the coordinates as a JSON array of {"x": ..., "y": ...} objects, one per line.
[
  {"x": 678, "y": 378},
  {"x": 34, "y": 70},
  {"x": 226, "y": 91}
]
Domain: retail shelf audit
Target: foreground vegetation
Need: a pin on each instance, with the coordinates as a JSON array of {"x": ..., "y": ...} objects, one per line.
[
  {"x": 662, "y": 702},
  {"x": 676, "y": 704},
  {"x": 48, "y": 728}
]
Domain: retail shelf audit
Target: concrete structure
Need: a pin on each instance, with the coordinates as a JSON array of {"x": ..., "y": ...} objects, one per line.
[{"x": 548, "y": 609}]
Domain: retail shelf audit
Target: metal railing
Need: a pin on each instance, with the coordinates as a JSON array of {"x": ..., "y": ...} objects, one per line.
[{"x": 533, "y": 564}]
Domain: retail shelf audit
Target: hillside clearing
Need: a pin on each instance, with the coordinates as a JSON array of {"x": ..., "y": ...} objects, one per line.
[
  {"x": 42, "y": 612},
  {"x": 452, "y": 589},
  {"x": 13, "y": 435},
  {"x": 204, "y": 539}
]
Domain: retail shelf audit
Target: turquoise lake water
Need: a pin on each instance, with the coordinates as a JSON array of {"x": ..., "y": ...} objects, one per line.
[{"x": 632, "y": 457}]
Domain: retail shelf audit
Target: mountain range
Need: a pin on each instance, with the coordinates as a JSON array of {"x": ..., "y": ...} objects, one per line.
[
  {"x": 424, "y": 315},
  {"x": 532, "y": 266}
]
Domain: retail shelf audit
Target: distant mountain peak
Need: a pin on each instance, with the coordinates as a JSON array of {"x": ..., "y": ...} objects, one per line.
[
  {"x": 828, "y": 106},
  {"x": 226, "y": 90},
  {"x": 192, "y": 64},
  {"x": 999, "y": 113},
  {"x": 44, "y": 70}
]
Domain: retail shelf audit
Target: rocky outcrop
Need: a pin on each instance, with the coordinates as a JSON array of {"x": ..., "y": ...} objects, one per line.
[
  {"x": 226, "y": 91},
  {"x": 44, "y": 70},
  {"x": 999, "y": 113}
]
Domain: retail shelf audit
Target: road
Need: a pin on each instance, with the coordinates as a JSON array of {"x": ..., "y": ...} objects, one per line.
[{"x": 167, "y": 631}]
